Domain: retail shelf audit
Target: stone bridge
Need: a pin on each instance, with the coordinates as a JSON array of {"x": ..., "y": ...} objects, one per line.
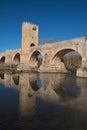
[{"x": 47, "y": 57}]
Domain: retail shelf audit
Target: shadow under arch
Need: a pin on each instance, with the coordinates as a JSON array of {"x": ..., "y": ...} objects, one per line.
[
  {"x": 2, "y": 60},
  {"x": 16, "y": 59},
  {"x": 16, "y": 79},
  {"x": 71, "y": 59},
  {"x": 35, "y": 60},
  {"x": 2, "y": 75}
]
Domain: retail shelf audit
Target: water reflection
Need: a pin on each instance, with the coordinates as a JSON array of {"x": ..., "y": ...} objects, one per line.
[
  {"x": 69, "y": 88},
  {"x": 45, "y": 86},
  {"x": 35, "y": 81},
  {"x": 16, "y": 79},
  {"x": 48, "y": 100}
]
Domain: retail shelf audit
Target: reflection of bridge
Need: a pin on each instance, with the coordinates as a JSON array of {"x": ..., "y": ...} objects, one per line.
[
  {"x": 54, "y": 87},
  {"x": 52, "y": 54}
]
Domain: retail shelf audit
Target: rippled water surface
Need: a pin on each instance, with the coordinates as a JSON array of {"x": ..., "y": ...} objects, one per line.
[{"x": 43, "y": 102}]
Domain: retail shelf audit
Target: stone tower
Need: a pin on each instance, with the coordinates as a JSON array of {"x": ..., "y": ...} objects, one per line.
[{"x": 29, "y": 35}]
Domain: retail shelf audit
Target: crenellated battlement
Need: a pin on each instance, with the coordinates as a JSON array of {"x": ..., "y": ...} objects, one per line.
[{"x": 29, "y": 23}]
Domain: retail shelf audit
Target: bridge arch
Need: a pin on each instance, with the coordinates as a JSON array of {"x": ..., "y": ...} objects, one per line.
[
  {"x": 59, "y": 58},
  {"x": 2, "y": 60},
  {"x": 35, "y": 59},
  {"x": 62, "y": 52},
  {"x": 16, "y": 59}
]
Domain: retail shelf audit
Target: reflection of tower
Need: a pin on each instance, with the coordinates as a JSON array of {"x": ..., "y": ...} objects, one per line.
[
  {"x": 29, "y": 35},
  {"x": 27, "y": 104}
]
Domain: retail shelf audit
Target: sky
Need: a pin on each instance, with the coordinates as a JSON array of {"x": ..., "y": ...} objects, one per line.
[{"x": 57, "y": 19}]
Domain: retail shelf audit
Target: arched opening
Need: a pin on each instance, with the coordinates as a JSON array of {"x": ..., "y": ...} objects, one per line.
[
  {"x": 16, "y": 79},
  {"x": 16, "y": 59},
  {"x": 69, "y": 58},
  {"x": 2, "y": 60},
  {"x": 35, "y": 60},
  {"x": 32, "y": 44}
]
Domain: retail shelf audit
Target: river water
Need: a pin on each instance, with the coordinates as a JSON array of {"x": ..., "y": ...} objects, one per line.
[{"x": 33, "y": 101}]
